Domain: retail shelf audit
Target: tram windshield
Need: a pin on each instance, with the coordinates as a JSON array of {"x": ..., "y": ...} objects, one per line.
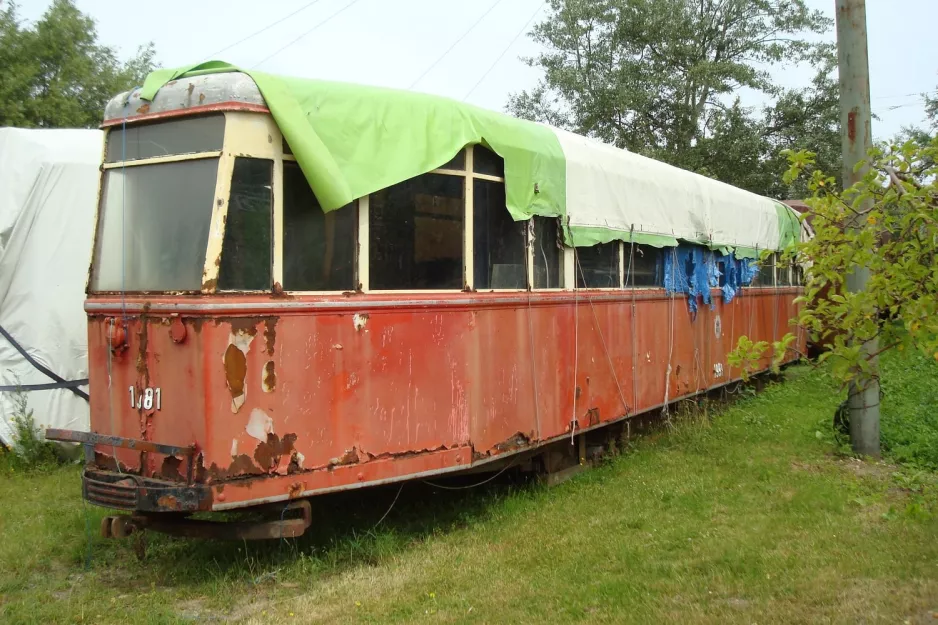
[{"x": 156, "y": 205}]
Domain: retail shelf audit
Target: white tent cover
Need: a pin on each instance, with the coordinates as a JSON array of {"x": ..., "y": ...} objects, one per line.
[{"x": 48, "y": 192}]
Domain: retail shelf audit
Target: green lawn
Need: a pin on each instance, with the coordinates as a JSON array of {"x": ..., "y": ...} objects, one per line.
[{"x": 750, "y": 516}]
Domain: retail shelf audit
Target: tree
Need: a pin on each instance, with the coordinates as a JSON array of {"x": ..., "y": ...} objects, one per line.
[
  {"x": 652, "y": 76},
  {"x": 896, "y": 237},
  {"x": 56, "y": 74}
]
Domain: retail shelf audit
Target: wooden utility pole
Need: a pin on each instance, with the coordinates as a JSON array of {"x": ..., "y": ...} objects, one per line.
[{"x": 856, "y": 140}]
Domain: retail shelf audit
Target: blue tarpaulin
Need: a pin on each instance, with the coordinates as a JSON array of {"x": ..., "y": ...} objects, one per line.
[{"x": 694, "y": 270}]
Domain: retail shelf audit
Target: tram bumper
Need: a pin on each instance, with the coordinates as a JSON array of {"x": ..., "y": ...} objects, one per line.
[
  {"x": 128, "y": 491},
  {"x": 124, "y": 491}
]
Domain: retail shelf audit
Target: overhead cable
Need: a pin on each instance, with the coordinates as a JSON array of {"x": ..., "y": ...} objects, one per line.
[
  {"x": 258, "y": 32},
  {"x": 505, "y": 51},
  {"x": 308, "y": 32},
  {"x": 455, "y": 43}
]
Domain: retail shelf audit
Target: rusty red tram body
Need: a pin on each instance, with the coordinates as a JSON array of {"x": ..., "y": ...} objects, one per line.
[{"x": 211, "y": 400}]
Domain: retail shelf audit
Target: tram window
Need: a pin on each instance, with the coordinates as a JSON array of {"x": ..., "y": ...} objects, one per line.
[
  {"x": 485, "y": 161},
  {"x": 498, "y": 247},
  {"x": 766, "y": 275},
  {"x": 286, "y": 147},
  {"x": 247, "y": 250},
  {"x": 548, "y": 254},
  {"x": 458, "y": 162},
  {"x": 782, "y": 269},
  {"x": 319, "y": 248},
  {"x": 643, "y": 260},
  {"x": 598, "y": 266},
  {"x": 181, "y": 136},
  {"x": 154, "y": 227},
  {"x": 416, "y": 234}
]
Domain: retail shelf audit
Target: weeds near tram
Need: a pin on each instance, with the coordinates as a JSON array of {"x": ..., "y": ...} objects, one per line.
[{"x": 30, "y": 451}]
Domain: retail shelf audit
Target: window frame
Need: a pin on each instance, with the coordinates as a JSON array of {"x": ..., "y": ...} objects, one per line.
[
  {"x": 576, "y": 270},
  {"x": 247, "y": 135},
  {"x": 224, "y": 169},
  {"x": 469, "y": 177},
  {"x": 623, "y": 267},
  {"x": 563, "y": 258},
  {"x": 774, "y": 257}
]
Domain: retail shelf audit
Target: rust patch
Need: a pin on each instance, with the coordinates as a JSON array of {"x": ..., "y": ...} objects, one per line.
[
  {"x": 170, "y": 469},
  {"x": 236, "y": 368},
  {"x": 241, "y": 465},
  {"x": 144, "y": 109},
  {"x": 210, "y": 285},
  {"x": 295, "y": 489},
  {"x": 349, "y": 457},
  {"x": 268, "y": 454},
  {"x": 168, "y": 502},
  {"x": 278, "y": 290},
  {"x": 515, "y": 442},
  {"x": 270, "y": 377},
  {"x": 109, "y": 463},
  {"x": 201, "y": 474},
  {"x": 592, "y": 416},
  {"x": 852, "y": 125},
  {"x": 142, "y": 337},
  {"x": 247, "y": 325},
  {"x": 201, "y": 98},
  {"x": 270, "y": 334},
  {"x": 294, "y": 466}
]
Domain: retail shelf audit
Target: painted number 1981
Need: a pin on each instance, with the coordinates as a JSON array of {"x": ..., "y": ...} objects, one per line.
[{"x": 147, "y": 400}]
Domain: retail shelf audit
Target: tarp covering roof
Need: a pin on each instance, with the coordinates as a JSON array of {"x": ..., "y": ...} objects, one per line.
[
  {"x": 48, "y": 190},
  {"x": 353, "y": 140}
]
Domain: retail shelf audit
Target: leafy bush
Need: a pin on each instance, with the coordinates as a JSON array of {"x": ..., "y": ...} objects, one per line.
[{"x": 30, "y": 449}]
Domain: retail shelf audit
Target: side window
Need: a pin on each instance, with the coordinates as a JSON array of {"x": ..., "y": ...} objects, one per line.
[
  {"x": 498, "y": 247},
  {"x": 766, "y": 275},
  {"x": 319, "y": 248},
  {"x": 247, "y": 250},
  {"x": 641, "y": 265},
  {"x": 598, "y": 266},
  {"x": 416, "y": 234},
  {"x": 548, "y": 253},
  {"x": 485, "y": 161},
  {"x": 783, "y": 277}
]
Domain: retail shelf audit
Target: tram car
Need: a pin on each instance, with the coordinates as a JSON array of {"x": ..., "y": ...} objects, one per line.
[{"x": 300, "y": 287}]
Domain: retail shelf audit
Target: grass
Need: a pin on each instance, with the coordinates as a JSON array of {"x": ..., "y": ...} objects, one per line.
[{"x": 749, "y": 516}]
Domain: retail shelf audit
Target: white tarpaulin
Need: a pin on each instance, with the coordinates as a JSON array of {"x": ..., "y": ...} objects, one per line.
[
  {"x": 617, "y": 190},
  {"x": 48, "y": 190}
]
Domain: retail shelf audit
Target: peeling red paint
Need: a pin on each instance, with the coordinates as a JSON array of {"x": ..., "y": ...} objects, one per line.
[
  {"x": 270, "y": 334},
  {"x": 425, "y": 385},
  {"x": 236, "y": 369},
  {"x": 170, "y": 469},
  {"x": 268, "y": 453},
  {"x": 270, "y": 376}
]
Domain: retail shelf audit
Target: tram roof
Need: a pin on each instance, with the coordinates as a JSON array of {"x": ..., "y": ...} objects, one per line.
[{"x": 352, "y": 140}]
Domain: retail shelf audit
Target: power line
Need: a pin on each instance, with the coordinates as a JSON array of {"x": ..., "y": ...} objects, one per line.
[
  {"x": 505, "y": 51},
  {"x": 262, "y": 30},
  {"x": 455, "y": 43},
  {"x": 281, "y": 49}
]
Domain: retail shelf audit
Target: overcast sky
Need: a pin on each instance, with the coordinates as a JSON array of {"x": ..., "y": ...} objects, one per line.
[{"x": 394, "y": 42}]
